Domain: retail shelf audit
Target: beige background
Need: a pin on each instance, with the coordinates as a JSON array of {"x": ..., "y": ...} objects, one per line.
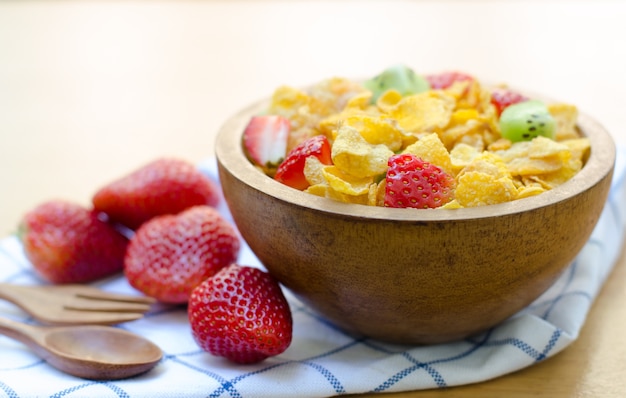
[{"x": 90, "y": 90}]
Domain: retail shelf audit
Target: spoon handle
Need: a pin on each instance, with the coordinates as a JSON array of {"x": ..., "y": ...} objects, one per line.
[{"x": 32, "y": 336}]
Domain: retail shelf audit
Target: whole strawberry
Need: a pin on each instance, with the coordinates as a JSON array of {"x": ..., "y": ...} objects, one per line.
[
  {"x": 164, "y": 186},
  {"x": 67, "y": 243},
  {"x": 412, "y": 182},
  {"x": 241, "y": 314},
  {"x": 170, "y": 255}
]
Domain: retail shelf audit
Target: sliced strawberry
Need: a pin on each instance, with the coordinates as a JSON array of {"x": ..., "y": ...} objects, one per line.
[
  {"x": 446, "y": 79},
  {"x": 501, "y": 98},
  {"x": 412, "y": 182},
  {"x": 241, "y": 314},
  {"x": 265, "y": 139},
  {"x": 291, "y": 170}
]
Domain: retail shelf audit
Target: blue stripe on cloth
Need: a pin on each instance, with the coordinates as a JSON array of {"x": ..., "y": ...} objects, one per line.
[
  {"x": 74, "y": 389},
  {"x": 545, "y": 353},
  {"x": 10, "y": 393},
  {"x": 429, "y": 366},
  {"x": 334, "y": 382}
]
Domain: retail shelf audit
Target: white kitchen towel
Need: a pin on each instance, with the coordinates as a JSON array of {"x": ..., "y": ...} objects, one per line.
[{"x": 322, "y": 361}]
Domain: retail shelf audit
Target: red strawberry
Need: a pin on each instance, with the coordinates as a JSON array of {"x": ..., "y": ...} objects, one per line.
[
  {"x": 412, "y": 182},
  {"x": 164, "y": 186},
  {"x": 501, "y": 98},
  {"x": 241, "y": 314},
  {"x": 446, "y": 79},
  {"x": 291, "y": 170},
  {"x": 67, "y": 243},
  {"x": 170, "y": 255},
  {"x": 265, "y": 139}
]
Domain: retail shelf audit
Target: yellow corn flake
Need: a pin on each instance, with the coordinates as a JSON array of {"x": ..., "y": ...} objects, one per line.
[
  {"x": 330, "y": 125},
  {"x": 528, "y": 191},
  {"x": 458, "y": 89},
  {"x": 578, "y": 147},
  {"x": 376, "y": 194},
  {"x": 486, "y": 180},
  {"x": 453, "y": 135},
  {"x": 313, "y": 171},
  {"x": 553, "y": 179},
  {"x": 501, "y": 144},
  {"x": 388, "y": 100},
  {"x": 299, "y": 107},
  {"x": 461, "y": 156},
  {"x": 528, "y": 166},
  {"x": 360, "y": 101},
  {"x": 453, "y": 204},
  {"x": 378, "y": 130},
  {"x": 476, "y": 132},
  {"x": 341, "y": 197},
  {"x": 469, "y": 94},
  {"x": 353, "y": 155},
  {"x": 565, "y": 116},
  {"x": 539, "y": 156},
  {"x": 462, "y": 116},
  {"x": 318, "y": 190},
  {"x": 424, "y": 112},
  {"x": 542, "y": 147},
  {"x": 326, "y": 191},
  {"x": 345, "y": 183},
  {"x": 288, "y": 102},
  {"x": 475, "y": 188},
  {"x": 336, "y": 92},
  {"x": 475, "y": 139},
  {"x": 358, "y": 107},
  {"x": 488, "y": 163},
  {"x": 431, "y": 149}
]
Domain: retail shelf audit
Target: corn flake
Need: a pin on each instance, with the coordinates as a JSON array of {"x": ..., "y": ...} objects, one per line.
[
  {"x": 486, "y": 180},
  {"x": 353, "y": 155},
  {"x": 431, "y": 149},
  {"x": 313, "y": 171},
  {"x": 424, "y": 112},
  {"x": 344, "y": 183},
  {"x": 565, "y": 116},
  {"x": 461, "y": 156},
  {"x": 378, "y": 130},
  {"x": 475, "y": 188},
  {"x": 388, "y": 100}
]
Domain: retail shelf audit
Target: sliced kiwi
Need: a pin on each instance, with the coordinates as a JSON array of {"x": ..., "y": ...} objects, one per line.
[
  {"x": 527, "y": 120},
  {"x": 400, "y": 78}
]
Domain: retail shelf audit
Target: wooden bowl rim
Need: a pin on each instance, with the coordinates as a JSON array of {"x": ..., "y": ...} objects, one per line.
[{"x": 230, "y": 156}]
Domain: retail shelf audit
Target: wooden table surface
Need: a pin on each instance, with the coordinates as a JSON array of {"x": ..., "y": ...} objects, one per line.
[{"x": 91, "y": 90}]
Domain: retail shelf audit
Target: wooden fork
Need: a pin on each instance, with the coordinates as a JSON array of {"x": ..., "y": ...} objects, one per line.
[{"x": 75, "y": 304}]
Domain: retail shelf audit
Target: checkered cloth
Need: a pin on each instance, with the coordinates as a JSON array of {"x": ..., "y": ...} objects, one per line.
[{"x": 322, "y": 361}]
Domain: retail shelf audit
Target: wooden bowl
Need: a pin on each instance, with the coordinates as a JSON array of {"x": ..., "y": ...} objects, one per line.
[{"x": 406, "y": 275}]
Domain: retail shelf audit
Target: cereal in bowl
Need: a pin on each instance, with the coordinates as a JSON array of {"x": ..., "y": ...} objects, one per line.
[{"x": 402, "y": 139}]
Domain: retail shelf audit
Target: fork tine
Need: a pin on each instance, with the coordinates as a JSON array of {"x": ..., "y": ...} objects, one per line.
[
  {"x": 88, "y": 304},
  {"x": 88, "y": 292}
]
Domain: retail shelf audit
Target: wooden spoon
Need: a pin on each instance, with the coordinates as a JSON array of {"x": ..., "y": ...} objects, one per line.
[{"x": 88, "y": 351}]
